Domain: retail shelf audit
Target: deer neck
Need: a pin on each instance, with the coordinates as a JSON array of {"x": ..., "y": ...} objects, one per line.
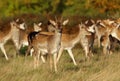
[
  {"x": 15, "y": 36},
  {"x": 54, "y": 42},
  {"x": 58, "y": 37},
  {"x": 83, "y": 34}
]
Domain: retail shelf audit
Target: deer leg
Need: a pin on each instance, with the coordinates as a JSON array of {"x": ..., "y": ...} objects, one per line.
[
  {"x": 28, "y": 50},
  {"x": 59, "y": 54},
  {"x": 71, "y": 55},
  {"x": 91, "y": 51},
  {"x": 4, "y": 52},
  {"x": 104, "y": 50},
  {"x": 50, "y": 58},
  {"x": 17, "y": 46},
  {"x": 99, "y": 41},
  {"x": 36, "y": 58},
  {"x": 43, "y": 59},
  {"x": 55, "y": 61},
  {"x": 35, "y": 62},
  {"x": 38, "y": 55},
  {"x": 86, "y": 52},
  {"x": 31, "y": 52}
]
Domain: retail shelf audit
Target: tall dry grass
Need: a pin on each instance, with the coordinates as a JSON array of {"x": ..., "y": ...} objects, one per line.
[{"x": 99, "y": 68}]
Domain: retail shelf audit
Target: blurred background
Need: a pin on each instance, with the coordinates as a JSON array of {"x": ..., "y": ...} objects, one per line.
[{"x": 86, "y": 8}]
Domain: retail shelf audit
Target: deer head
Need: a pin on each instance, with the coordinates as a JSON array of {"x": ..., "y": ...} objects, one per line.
[
  {"x": 21, "y": 24},
  {"x": 37, "y": 27},
  {"x": 58, "y": 24},
  {"x": 90, "y": 25}
]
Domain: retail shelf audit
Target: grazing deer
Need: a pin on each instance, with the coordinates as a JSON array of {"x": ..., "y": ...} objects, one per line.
[
  {"x": 43, "y": 43},
  {"x": 10, "y": 32}
]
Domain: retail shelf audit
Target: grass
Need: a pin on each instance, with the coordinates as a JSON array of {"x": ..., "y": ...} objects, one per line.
[{"x": 99, "y": 68}]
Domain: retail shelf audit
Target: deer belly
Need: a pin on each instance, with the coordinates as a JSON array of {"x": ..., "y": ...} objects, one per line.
[
  {"x": 67, "y": 46},
  {"x": 45, "y": 51},
  {"x": 25, "y": 43}
]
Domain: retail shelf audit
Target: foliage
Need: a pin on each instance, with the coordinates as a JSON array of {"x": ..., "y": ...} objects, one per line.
[{"x": 91, "y": 8}]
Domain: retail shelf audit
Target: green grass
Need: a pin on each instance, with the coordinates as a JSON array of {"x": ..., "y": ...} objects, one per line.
[{"x": 99, "y": 68}]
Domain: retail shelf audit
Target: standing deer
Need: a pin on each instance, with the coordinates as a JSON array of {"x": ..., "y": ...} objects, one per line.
[
  {"x": 101, "y": 29},
  {"x": 68, "y": 41},
  {"x": 43, "y": 43},
  {"x": 87, "y": 40},
  {"x": 105, "y": 38},
  {"x": 30, "y": 37},
  {"x": 10, "y": 32}
]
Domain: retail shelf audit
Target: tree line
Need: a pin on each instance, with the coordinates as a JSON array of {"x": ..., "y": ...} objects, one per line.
[{"x": 90, "y": 8}]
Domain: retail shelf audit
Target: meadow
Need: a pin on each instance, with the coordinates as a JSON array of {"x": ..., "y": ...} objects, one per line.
[{"x": 98, "y": 68}]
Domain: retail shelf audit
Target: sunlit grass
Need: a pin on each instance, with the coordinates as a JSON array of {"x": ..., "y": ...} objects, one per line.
[{"x": 99, "y": 68}]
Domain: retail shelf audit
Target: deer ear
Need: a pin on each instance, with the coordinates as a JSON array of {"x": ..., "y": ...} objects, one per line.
[
  {"x": 37, "y": 28},
  {"x": 40, "y": 24},
  {"x": 118, "y": 25},
  {"x": 22, "y": 26},
  {"x": 17, "y": 20},
  {"x": 52, "y": 22},
  {"x": 111, "y": 22},
  {"x": 98, "y": 21},
  {"x": 81, "y": 25},
  {"x": 86, "y": 22},
  {"x": 65, "y": 22},
  {"x": 92, "y": 21},
  {"x": 91, "y": 29},
  {"x": 102, "y": 24}
]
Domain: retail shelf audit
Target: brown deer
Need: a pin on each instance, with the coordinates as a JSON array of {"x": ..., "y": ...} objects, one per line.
[
  {"x": 70, "y": 40},
  {"x": 30, "y": 36},
  {"x": 10, "y": 32},
  {"x": 43, "y": 43},
  {"x": 87, "y": 40},
  {"x": 100, "y": 28},
  {"x": 105, "y": 38}
]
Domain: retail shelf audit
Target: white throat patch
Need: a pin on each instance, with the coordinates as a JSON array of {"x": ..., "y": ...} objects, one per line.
[
  {"x": 91, "y": 29},
  {"x": 22, "y": 26}
]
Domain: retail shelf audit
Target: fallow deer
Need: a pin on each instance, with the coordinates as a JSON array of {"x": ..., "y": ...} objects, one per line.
[
  {"x": 105, "y": 38},
  {"x": 70, "y": 40},
  {"x": 100, "y": 28},
  {"x": 50, "y": 44},
  {"x": 116, "y": 31},
  {"x": 10, "y": 32},
  {"x": 87, "y": 41},
  {"x": 30, "y": 36}
]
